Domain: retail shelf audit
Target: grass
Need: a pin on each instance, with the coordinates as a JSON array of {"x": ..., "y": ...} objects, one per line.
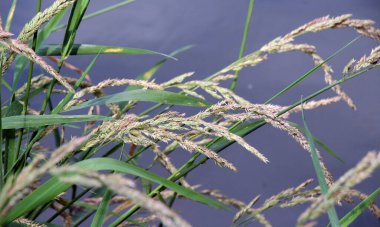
[{"x": 81, "y": 181}]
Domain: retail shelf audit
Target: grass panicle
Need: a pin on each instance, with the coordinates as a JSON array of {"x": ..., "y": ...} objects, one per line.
[{"x": 72, "y": 182}]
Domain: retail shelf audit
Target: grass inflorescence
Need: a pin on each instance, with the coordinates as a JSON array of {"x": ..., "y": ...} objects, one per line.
[{"x": 71, "y": 181}]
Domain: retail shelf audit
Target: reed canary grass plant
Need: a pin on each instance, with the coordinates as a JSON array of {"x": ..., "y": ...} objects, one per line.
[{"x": 88, "y": 178}]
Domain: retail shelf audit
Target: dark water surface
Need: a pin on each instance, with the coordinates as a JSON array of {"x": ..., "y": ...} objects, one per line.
[{"x": 215, "y": 27}]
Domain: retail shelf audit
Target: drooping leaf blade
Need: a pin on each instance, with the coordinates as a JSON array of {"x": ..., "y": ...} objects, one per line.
[
  {"x": 99, "y": 12},
  {"x": 68, "y": 96},
  {"x": 148, "y": 74},
  {"x": 102, "y": 210},
  {"x": 333, "y": 216},
  {"x": 90, "y": 49},
  {"x": 157, "y": 96},
  {"x": 243, "y": 41},
  {"x": 53, "y": 187},
  {"x": 22, "y": 61},
  {"x": 311, "y": 71},
  {"x": 77, "y": 12},
  {"x": 29, "y": 121},
  {"x": 354, "y": 213},
  {"x": 320, "y": 143}
]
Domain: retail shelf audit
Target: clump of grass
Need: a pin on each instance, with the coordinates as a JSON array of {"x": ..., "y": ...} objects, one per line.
[{"x": 34, "y": 182}]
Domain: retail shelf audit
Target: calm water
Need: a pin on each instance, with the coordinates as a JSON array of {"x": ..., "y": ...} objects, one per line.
[{"x": 215, "y": 27}]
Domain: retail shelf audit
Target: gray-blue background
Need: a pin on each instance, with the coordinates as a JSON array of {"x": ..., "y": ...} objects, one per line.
[{"x": 215, "y": 27}]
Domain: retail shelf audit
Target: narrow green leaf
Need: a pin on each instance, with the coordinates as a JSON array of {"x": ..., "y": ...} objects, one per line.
[
  {"x": 67, "y": 98},
  {"x": 11, "y": 13},
  {"x": 354, "y": 213},
  {"x": 147, "y": 75},
  {"x": 144, "y": 95},
  {"x": 307, "y": 74},
  {"x": 321, "y": 144},
  {"x": 14, "y": 109},
  {"x": 49, "y": 28},
  {"x": 99, "y": 12},
  {"x": 22, "y": 61},
  {"x": 2, "y": 162},
  {"x": 243, "y": 41},
  {"x": 90, "y": 49},
  {"x": 53, "y": 187},
  {"x": 102, "y": 210},
  {"x": 76, "y": 15},
  {"x": 321, "y": 177},
  {"x": 29, "y": 121}
]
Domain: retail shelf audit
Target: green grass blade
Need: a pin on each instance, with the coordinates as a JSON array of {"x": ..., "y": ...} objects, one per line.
[
  {"x": 90, "y": 49},
  {"x": 29, "y": 121},
  {"x": 76, "y": 15},
  {"x": 147, "y": 75},
  {"x": 53, "y": 187},
  {"x": 22, "y": 61},
  {"x": 157, "y": 96},
  {"x": 354, "y": 213},
  {"x": 2, "y": 161},
  {"x": 49, "y": 28},
  {"x": 321, "y": 177},
  {"x": 307, "y": 74},
  {"x": 102, "y": 210},
  {"x": 99, "y": 12},
  {"x": 243, "y": 41},
  {"x": 321, "y": 144},
  {"x": 67, "y": 98},
  {"x": 14, "y": 109},
  {"x": 11, "y": 13}
]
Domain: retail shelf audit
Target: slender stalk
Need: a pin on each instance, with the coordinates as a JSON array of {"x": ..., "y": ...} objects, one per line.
[
  {"x": 29, "y": 82},
  {"x": 97, "y": 13},
  {"x": 243, "y": 41},
  {"x": 333, "y": 216},
  {"x": 307, "y": 74},
  {"x": 68, "y": 205}
]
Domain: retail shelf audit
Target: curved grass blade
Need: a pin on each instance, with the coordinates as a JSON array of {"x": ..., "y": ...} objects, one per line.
[
  {"x": 311, "y": 71},
  {"x": 76, "y": 15},
  {"x": 317, "y": 141},
  {"x": 101, "y": 212},
  {"x": 68, "y": 96},
  {"x": 148, "y": 74},
  {"x": 2, "y": 162},
  {"x": 53, "y": 187},
  {"x": 333, "y": 216},
  {"x": 22, "y": 61},
  {"x": 144, "y": 95},
  {"x": 152, "y": 70},
  {"x": 90, "y": 49},
  {"x": 10, "y": 16},
  {"x": 354, "y": 213},
  {"x": 29, "y": 121},
  {"x": 243, "y": 41},
  {"x": 97, "y": 13}
]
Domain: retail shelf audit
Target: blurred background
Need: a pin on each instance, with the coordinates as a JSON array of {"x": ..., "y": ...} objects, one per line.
[{"x": 215, "y": 28}]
